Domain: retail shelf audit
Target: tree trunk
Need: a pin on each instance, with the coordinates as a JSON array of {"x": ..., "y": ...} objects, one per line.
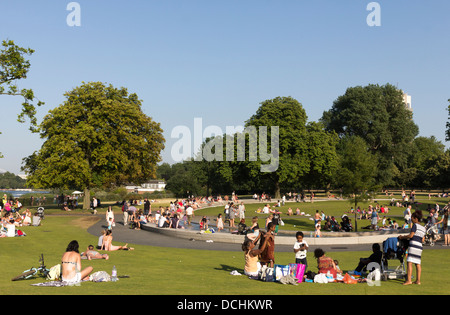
[
  {"x": 87, "y": 199},
  {"x": 277, "y": 190},
  {"x": 356, "y": 222}
]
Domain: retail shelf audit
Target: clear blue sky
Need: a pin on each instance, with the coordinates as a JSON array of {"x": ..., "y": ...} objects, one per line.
[{"x": 218, "y": 59}]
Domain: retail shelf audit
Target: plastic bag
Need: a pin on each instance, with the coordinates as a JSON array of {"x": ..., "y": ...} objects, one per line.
[
  {"x": 281, "y": 271},
  {"x": 320, "y": 278},
  {"x": 348, "y": 279},
  {"x": 100, "y": 276}
]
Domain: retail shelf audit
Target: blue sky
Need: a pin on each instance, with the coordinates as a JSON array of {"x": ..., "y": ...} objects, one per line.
[{"x": 218, "y": 60}]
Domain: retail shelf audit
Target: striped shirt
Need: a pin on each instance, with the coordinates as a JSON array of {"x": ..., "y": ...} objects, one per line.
[{"x": 415, "y": 244}]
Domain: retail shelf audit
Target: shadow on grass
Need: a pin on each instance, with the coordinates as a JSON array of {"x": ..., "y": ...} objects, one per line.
[{"x": 228, "y": 269}]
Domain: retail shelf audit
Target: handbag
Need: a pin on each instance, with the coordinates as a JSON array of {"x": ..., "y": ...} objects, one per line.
[{"x": 266, "y": 274}]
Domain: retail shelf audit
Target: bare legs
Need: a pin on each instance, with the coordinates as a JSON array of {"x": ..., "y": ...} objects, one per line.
[{"x": 409, "y": 274}]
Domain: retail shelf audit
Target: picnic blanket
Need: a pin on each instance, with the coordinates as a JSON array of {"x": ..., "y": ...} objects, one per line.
[
  {"x": 99, "y": 276},
  {"x": 56, "y": 283}
]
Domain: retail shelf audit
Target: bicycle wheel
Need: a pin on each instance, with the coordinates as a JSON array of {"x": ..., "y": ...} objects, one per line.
[{"x": 24, "y": 275}]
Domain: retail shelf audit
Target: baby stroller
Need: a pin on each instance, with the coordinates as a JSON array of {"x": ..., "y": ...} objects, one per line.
[
  {"x": 393, "y": 248},
  {"x": 40, "y": 212},
  {"x": 431, "y": 235}
]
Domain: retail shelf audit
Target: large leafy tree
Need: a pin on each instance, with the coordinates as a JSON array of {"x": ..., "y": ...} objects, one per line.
[
  {"x": 415, "y": 175},
  {"x": 99, "y": 137},
  {"x": 378, "y": 115},
  {"x": 322, "y": 156},
  {"x": 184, "y": 180},
  {"x": 289, "y": 116},
  {"x": 356, "y": 170}
]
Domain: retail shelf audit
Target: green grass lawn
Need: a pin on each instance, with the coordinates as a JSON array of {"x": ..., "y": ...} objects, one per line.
[{"x": 169, "y": 271}]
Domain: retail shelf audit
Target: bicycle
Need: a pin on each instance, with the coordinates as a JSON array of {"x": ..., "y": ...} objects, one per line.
[{"x": 41, "y": 271}]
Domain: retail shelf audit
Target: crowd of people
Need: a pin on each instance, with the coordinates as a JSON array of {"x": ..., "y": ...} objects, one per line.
[
  {"x": 257, "y": 256},
  {"x": 259, "y": 244},
  {"x": 13, "y": 216}
]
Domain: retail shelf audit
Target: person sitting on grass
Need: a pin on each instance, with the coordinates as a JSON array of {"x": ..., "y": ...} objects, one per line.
[
  {"x": 252, "y": 266},
  {"x": 107, "y": 243},
  {"x": 71, "y": 272},
  {"x": 90, "y": 254},
  {"x": 375, "y": 257},
  {"x": 324, "y": 263}
]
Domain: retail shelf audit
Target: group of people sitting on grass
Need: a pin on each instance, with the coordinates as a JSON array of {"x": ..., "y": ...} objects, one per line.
[
  {"x": 256, "y": 256},
  {"x": 11, "y": 221},
  {"x": 177, "y": 215}
]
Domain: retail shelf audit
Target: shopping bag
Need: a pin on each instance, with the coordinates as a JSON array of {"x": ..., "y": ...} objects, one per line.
[
  {"x": 297, "y": 271},
  {"x": 293, "y": 270},
  {"x": 300, "y": 272}
]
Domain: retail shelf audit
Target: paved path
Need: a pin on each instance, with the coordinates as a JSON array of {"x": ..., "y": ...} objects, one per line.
[{"x": 124, "y": 234}]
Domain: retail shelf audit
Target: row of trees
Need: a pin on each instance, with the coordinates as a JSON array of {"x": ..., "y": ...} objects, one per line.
[
  {"x": 11, "y": 181},
  {"x": 100, "y": 138},
  {"x": 366, "y": 141}
]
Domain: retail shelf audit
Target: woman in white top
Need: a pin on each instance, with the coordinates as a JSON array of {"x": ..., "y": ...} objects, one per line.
[
  {"x": 11, "y": 229},
  {"x": 27, "y": 217},
  {"x": 110, "y": 216}
]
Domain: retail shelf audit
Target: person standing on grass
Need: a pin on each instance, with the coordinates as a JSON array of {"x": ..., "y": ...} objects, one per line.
[
  {"x": 317, "y": 217},
  {"x": 415, "y": 237},
  {"x": 374, "y": 218},
  {"x": 147, "y": 207},
  {"x": 300, "y": 250},
  {"x": 407, "y": 214},
  {"x": 241, "y": 211},
  {"x": 110, "y": 217},
  {"x": 267, "y": 256},
  {"x": 445, "y": 222},
  {"x": 232, "y": 211},
  {"x": 219, "y": 222},
  {"x": 125, "y": 213}
]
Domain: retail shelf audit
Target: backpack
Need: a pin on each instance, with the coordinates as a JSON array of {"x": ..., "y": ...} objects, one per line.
[{"x": 54, "y": 273}]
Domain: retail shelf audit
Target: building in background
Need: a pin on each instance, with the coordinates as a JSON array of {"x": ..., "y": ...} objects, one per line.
[
  {"x": 407, "y": 101},
  {"x": 150, "y": 186}
]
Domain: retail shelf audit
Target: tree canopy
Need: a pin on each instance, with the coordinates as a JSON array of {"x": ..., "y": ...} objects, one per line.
[
  {"x": 99, "y": 137},
  {"x": 289, "y": 116},
  {"x": 379, "y": 116}
]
